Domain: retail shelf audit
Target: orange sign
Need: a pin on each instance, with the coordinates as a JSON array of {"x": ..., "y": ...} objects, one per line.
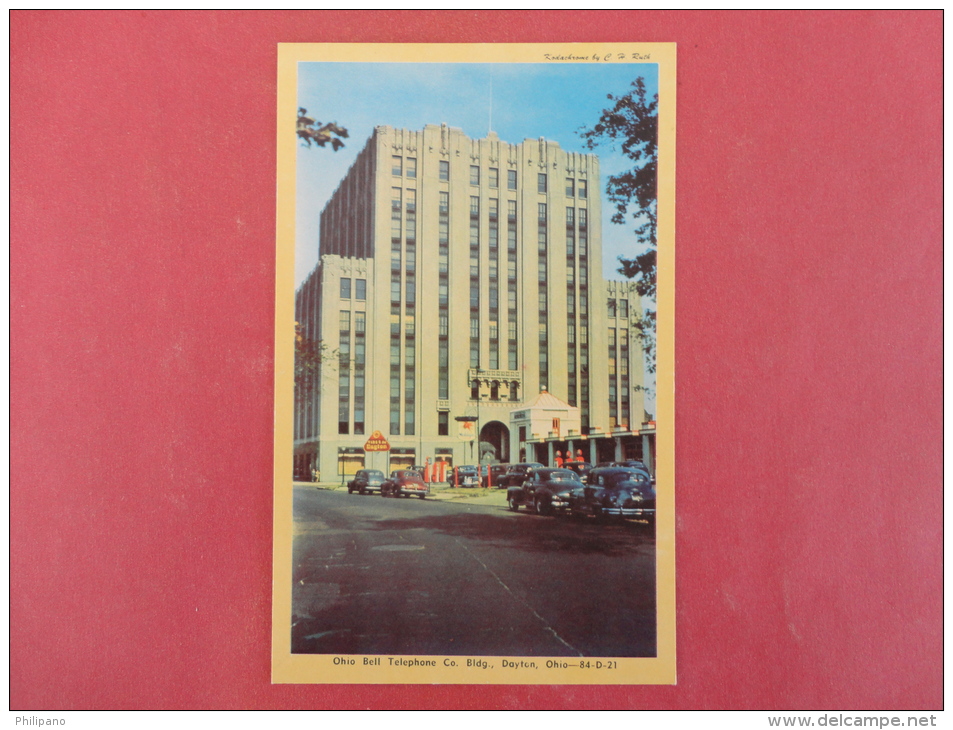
[{"x": 377, "y": 442}]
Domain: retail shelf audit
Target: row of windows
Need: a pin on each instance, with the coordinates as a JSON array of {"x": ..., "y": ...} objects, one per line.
[
  {"x": 407, "y": 167},
  {"x": 496, "y": 387},
  {"x": 622, "y": 310},
  {"x": 360, "y": 289},
  {"x": 401, "y": 166}
]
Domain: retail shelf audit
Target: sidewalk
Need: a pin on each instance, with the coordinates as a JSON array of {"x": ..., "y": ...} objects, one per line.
[{"x": 438, "y": 490}]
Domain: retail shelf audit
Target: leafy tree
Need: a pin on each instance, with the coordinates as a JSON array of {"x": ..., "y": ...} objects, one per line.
[
  {"x": 631, "y": 122},
  {"x": 309, "y": 355},
  {"x": 311, "y": 131}
]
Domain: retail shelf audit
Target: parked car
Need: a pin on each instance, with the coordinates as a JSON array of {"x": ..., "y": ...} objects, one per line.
[
  {"x": 615, "y": 492},
  {"x": 581, "y": 468},
  {"x": 496, "y": 472},
  {"x": 366, "y": 480},
  {"x": 467, "y": 476},
  {"x": 632, "y": 464},
  {"x": 405, "y": 483},
  {"x": 545, "y": 490},
  {"x": 516, "y": 474}
]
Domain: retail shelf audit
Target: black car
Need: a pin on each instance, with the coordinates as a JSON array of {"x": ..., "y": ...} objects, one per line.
[
  {"x": 467, "y": 476},
  {"x": 545, "y": 490},
  {"x": 615, "y": 492},
  {"x": 582, "y": 469},
  {"x": 366, "y": 480},
  {"x": 496, "y": 472},
  {"x": 632, "y": 464},
  {"x": 516, "y": 474},
  {"x": 405, "y": 483}
]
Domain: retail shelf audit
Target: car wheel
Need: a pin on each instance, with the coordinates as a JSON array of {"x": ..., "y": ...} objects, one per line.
[
  {"x": 361, "y": 490},
  {"x": 543, "y": 507},
  {"x": 514, "y": 505},
  {"x": 423, "y": 496}
]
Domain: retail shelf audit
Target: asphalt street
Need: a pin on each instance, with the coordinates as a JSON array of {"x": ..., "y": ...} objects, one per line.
[{"x": 409, "y": 576}]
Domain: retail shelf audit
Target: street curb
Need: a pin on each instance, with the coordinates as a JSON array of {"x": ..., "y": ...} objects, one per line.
[{"x": 443, "y": 494}]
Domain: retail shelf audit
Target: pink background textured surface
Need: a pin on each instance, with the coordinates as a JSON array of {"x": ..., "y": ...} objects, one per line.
[{"x": 808, "y": 356}]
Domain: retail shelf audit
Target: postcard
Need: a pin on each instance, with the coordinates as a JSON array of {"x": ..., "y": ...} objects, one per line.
[{"x": 474, "y": 395}]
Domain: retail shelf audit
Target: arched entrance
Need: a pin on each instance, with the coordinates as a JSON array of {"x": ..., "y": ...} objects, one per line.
[{"x": 494, "y": 443}]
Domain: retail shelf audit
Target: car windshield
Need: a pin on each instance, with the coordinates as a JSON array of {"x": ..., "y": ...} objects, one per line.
[
  {"x": 629, "y": 481},
  {"x": 559, "y": 475}
]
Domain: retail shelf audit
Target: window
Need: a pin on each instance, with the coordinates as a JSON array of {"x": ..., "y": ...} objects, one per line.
[
  {"x": 475, "y": 390},
  {"x": 444, "y": 325},
  {"x": 396, "y": 166},
  {"x": 474, "y": 205},
  {"x": 474, "y": 174},
  {"x": 570, "y": 187},
  {"x": 443, "y": 423},
  {"x": 444, "y": 169},
  {"x": 345, "y": 288},
  {"x": 444, "y": 203},
  {"x": 541, "y": 182},
  {"x": 494, "y": 177},
  {"x": 511, "y": 209},
  {"x": 623, "y": 308},
  {"x": 513, "y": 390},
  {"x": 495, "y": 390},
  {"x": 411, "y": 200},
  {"x": 359, "y": 322},
  {"x": 583, "y": 219},
  {"x": 612, "y": 307},
  {"x": 582, "y": 189},
  {"x": 411, "y": 167},
  {"x": 570, "y": 217},
  {"x": 360, "y": 286},
  {"x": 344, "y": 321},
  {"x": 541, "y": 213},
  {"x": 511, "y": 179}
]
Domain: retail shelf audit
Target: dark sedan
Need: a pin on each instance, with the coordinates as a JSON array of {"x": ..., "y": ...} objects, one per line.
[
  {"x": 581, "y": 468},
  {"x": 632, "y": 464},
  {"x": 366, "y": 480},
  {"x": 615, "y": 492},
  {"x": 405, "y": 483},
  {"x": 516, "y": 474},
  {"x": 494, "y": 473},
  {"x": 545, "y": 491}
]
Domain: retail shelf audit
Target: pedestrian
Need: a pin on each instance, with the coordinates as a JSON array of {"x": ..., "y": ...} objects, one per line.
[{"x": 559, "y": 458}]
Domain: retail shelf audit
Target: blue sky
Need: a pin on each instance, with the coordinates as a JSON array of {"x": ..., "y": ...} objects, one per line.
[{"x": 528, "y": 101}]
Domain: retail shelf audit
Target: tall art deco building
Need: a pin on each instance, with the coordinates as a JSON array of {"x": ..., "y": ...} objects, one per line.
[{"x": 459, "y": 291}]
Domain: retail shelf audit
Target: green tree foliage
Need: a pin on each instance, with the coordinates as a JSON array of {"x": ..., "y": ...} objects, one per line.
[
  {"x": 631, "y": 122},
  {"x": 310, "y": 131},
  {"x": 309, "y": 355}
]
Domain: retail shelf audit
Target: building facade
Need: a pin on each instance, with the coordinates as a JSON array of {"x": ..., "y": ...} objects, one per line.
[{"x": 459, "y": 279}]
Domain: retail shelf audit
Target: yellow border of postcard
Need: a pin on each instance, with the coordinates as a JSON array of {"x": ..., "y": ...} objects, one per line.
[{"x": 450, "y": 669}]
